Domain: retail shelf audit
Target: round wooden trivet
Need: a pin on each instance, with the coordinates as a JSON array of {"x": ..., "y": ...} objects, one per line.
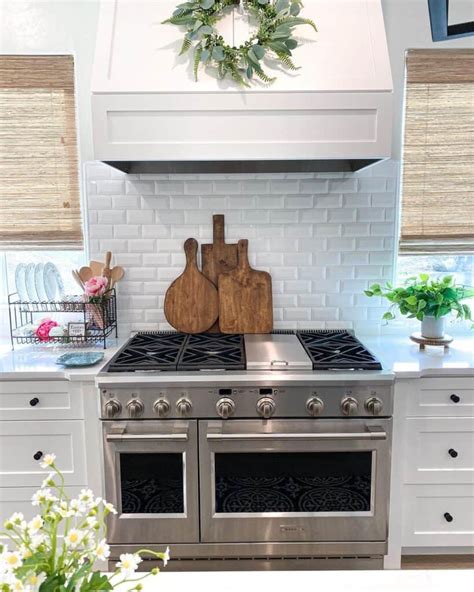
[{"x": 423, "y": 341}]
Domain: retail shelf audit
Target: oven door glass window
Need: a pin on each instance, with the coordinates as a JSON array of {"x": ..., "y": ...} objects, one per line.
[
  {"x": 296, "y": 482},
  {"x": 152, "y": 483}
]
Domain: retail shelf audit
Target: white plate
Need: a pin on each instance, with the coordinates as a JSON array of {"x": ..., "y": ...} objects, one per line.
[
  {"x": 30, "y": 282},
  {"x": 53, "y": 283},
  {"x": 39, "y": 282},
  {"x": 20, "y": 282}
]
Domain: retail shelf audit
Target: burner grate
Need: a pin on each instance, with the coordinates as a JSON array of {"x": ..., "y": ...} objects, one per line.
[
  {"x": 213, "y": 351},
  {"x": 337, "y": 350}
]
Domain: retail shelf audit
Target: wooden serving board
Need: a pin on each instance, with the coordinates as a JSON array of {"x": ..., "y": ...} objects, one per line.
[
  {"x": 191, "y": 302},
  {"x": 245, "y": 297},
  {"x": 218, "y": 257}
]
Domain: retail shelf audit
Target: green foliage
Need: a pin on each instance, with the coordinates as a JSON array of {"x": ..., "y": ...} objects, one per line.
[
  {"x": 276, "y": 21},
  {"x": 420, "y": 297}
]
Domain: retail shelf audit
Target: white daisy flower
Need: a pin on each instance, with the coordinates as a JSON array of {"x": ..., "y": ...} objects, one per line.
[
  {"x": 102, "y": 550},
  {"x": 86, "y": 496},
  {"x": 64, "y": 510},
  {"x": 25, "y": 552},
  {"x": 17, "y": 518},
  {"x": 11, "y": 560},
  {"x": 35, "y": 580},
  {"x": 37, "y": 540},
  {"x": 73, "y": 538},
  {"x": 42, "y": 496},
  {"x": 48, "y": 461},
  {"x": 49, "y": 481},
  {"x": 128, "y": 564},
  {"x": 109, "y": 507},
  {"x": 92, "y": 522},
  {"x": 76, "y": 506},
  {"x": 166, "y": 556},
  {"x": 35, "y": 524}
]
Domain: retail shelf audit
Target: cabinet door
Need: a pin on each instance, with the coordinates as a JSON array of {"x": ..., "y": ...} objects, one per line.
[
  {"x": 37, "y": 400},
  {"x": 442, "y": 397},
  {"x": 439, "y": 450},
  {"x": 21, "y": 442},
  {"x": 438, "y": 516}
]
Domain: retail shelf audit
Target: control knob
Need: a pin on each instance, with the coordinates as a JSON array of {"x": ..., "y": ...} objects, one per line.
[
  {"x": 266, "y": 407},
  {"x": 374, "y": 406},
  {"x": 112, "y": 408},
  {"x": 314, "y": 406},
  {"x": 349, "y": 406},
  {"x": 161, "y": 407},
  {"x": 225, "y": 407},
  {"x": 135, "y": 408},
  {"x": 183, "y": 407}
]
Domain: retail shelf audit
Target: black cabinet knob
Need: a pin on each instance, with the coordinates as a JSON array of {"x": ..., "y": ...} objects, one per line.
[
  {"x": 37, "y": 455},
  {"x": 453, "y": 452},
  {"x": 448, "y": 517},
  {"x": 455, "y": 398},
  {"x": 34, "y": 401}
]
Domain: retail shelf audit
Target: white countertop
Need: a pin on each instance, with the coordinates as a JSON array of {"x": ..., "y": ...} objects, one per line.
[
  {"x": 397, "y": 354},
  {"x": 325, "y": 581}
]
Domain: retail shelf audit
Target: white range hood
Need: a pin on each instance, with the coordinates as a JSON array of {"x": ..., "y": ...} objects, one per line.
[{"x": 149, "y": 115}]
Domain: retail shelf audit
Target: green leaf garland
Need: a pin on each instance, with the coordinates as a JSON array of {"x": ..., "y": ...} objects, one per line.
[{"x": 274, "y": 36}]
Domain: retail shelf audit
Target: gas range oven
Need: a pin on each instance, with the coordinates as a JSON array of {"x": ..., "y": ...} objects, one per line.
[{"x": 249, "y": 451}]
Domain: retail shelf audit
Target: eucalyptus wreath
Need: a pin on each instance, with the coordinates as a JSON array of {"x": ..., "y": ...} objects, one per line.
[{"x": 274, "y": 36}]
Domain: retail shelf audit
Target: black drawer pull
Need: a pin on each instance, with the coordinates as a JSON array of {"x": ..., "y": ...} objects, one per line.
[
  {"x": 455, "y": 398},
  {"x": 448, "y": 517},
  {"x": 34, "y": 401},
  {"x": 453, "y": 452},
  {"x": 37, "y": 455}
]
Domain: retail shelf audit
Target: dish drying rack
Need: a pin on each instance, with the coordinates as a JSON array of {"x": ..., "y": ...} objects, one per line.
[{"x": 100, "y": 320}]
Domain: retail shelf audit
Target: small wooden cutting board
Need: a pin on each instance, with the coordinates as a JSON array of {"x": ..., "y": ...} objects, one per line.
[
  {"x": 245, "y": 297},
  {"x": 218, "y": 257},
  {"x": 191, "y": 302}
]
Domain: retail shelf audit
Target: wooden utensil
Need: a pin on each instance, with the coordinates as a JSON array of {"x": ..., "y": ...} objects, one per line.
[
  {"x": 116, "y": 274},
  {"x": 97, "y": 267},
  {"x": 77, "y": 277},
  {"x": 245, "y": 297},
  {"x": 191, "y": 302},
  {"x": 106, "y": 269},
  {"x": 218, "y": 257},
  {"x": 85, "y": 273}
]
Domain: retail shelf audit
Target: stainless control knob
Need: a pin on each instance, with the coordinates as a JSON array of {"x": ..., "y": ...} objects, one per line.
[
  {"x": 374, "y": 406},
  {"x": 135, "y": 408},
  {"x": 161, "y": 407},
  {"x": 225, "y": 407},
  {"x": 349, "y": 406},
  {"x": 112, "y": 408},
  {"x": 314, "y": 406},
  {"x": 183, "y": 407},
  {"x": 266, "y": 407}
]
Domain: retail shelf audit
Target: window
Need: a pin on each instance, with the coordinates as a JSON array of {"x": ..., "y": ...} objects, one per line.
[{"x": 39, "y": 180}]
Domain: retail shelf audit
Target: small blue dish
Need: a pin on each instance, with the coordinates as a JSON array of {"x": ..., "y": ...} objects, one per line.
[{"x": 80, "y": 359}]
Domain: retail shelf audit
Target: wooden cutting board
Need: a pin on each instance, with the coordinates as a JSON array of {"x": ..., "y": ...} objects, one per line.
[
  {"x": 245, "y": 297},
  {"x": 218, "y": 257},
  {"x": 191, "y": 302}
]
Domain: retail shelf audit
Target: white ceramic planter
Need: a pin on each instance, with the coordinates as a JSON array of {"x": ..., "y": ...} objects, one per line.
[{"x": 432, "y": 328}]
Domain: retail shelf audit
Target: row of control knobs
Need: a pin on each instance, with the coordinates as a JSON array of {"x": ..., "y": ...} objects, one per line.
[{"x": 225, "y": 407}]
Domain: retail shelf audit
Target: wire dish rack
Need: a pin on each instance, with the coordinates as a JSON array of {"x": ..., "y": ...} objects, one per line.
[{"x": 99, "y": 319}]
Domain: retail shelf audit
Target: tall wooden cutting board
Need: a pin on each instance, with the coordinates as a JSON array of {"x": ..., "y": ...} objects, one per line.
[
  {"x": 218, "y": 257},
  {"x": 245, "y": 297},
  {"x": 191, "y": 302}
]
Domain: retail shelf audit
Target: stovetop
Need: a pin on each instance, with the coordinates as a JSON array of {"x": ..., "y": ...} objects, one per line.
[{"x": 281, "y": 350}]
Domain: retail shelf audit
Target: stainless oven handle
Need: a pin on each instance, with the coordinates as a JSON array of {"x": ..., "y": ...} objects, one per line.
[
  {"x": 146, "y": 437},
  {"x": 374, "y": 435}
]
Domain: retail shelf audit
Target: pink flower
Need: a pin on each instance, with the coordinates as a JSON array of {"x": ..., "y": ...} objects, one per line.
[
  {"x": 96, "y": 286},
  {"x": 42, "y": 332}
]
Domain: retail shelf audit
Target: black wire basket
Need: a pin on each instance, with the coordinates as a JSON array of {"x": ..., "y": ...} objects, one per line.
[{"x": 98, "y": 319}]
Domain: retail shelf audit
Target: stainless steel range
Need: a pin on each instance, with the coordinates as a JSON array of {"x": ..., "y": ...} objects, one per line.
[{"x": 249, "y": 452}]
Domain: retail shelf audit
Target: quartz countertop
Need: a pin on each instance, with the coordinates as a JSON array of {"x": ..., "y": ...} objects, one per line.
[
  {"x": 397, "y": 354},
  {"x": 335, "y": 581}
]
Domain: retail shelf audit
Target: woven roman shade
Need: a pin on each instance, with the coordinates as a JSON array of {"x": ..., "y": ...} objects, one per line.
[
  {"x": 437, "y": 214},
  {"x": 39, "y": 181}
]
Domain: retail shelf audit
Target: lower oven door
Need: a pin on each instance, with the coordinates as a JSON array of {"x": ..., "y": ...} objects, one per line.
[
  {"x": 151, "y": 478},
  {"x": 294, "y": 480}
]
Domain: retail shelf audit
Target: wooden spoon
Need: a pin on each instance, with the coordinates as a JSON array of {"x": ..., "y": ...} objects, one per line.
[
  {"x": 85, "y": 273},
  {"x": 106, "y": 270},
  {"x": 77, "y": 277},
  {"x": 97, "y": 267},
  {"x": 116, "y": 274}
]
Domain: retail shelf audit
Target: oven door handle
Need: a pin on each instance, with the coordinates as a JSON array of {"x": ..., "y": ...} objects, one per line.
[
  {"x": 369, "y": 435},
  {"x": 147, "y": 437}
]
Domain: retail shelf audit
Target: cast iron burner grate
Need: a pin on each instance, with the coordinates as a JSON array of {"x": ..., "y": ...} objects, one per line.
[
  {"x": 213, "y": 351},
  {"x": 337, "y": 350},
  {"x": 149, "y": 352}
]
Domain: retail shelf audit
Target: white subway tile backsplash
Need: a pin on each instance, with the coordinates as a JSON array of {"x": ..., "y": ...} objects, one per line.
[{"x": 323, "y": 237}]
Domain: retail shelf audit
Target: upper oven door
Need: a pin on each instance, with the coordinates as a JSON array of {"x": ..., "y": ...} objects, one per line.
[
  {"x": 151, "y": 477},
  {"x": 294, "y": 480}
]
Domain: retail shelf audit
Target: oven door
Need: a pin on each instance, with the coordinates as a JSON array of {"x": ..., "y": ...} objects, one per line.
[
  {"x": 294, "y": 480},
  {"x": 151, "y": 478}
]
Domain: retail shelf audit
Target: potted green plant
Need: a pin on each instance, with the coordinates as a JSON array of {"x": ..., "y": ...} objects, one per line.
[
  {"x": 57, "y": 549},
  {"x": 429, "y": 301}
]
